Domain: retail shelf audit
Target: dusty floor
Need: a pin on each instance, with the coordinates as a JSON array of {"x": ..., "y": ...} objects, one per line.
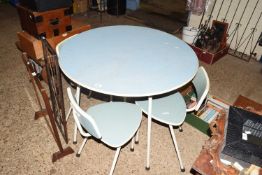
[{"x": 26, "y": 145}]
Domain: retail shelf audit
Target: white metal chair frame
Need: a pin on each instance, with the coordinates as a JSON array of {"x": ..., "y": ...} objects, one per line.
[
  {"x": 201, "y": 93},
  {"x": 176, "y": 96},
  {"x": 201, "y": 96},
  {"x": 95, "y": 131}
]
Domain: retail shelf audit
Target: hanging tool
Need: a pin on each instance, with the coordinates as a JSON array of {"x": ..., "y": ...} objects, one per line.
[
  {"x": 237, "y": 47},
  {"x": 223, "y": 20},
  {"x": 220, "y": 9}
]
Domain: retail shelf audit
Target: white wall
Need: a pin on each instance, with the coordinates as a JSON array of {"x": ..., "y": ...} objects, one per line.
[{"x": 195, "y": 20}]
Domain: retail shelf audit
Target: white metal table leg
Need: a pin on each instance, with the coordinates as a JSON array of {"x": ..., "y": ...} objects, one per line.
[
  {"x": 77, "y": 96},
  {"x": 149, "y": 132}
]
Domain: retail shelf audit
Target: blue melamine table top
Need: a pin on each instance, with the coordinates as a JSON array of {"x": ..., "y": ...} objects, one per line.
[{"x": 128, "y": 61}]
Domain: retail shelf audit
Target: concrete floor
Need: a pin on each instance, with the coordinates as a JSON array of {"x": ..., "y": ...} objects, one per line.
[{"x": 26, "y": 145}]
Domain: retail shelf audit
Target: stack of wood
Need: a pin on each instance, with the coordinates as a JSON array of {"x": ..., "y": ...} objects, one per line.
[{"x": 51, "y": 20}]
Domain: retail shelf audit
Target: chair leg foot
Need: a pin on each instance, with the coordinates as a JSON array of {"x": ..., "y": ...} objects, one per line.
[
  {"x": 147, "y": 168},
  {"x": 77, "y": 155},
  {"x": 180, "y": 129},
  {"x": 136, "y": 142},
  {"x": 183, "y": 170},
  {"x": 132, "y": 149},
  {"x": 74, "y": 142}
]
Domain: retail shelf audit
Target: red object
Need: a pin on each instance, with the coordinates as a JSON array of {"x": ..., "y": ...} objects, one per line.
[{"x": 208, "y": 57}]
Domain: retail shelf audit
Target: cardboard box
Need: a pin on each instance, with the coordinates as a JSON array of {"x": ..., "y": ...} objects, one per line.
[{"x": 80, "y": 6}]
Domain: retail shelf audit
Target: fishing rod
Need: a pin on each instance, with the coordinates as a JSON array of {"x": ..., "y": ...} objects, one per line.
[
  {"x": 252, "y": 36},
  {"x": 238, "y": 24},
  {"x": 253, "y": 50},
  {"x": 220, "y": 9},
  {"x": 246, "y": 27},
  {"x": 227, "y": 10},
  {"x": 210, "y": 16},
  {"x": 234, "y": 15}
]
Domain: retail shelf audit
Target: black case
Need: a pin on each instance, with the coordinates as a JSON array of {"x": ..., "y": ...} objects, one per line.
[{"x": 45, "y": 5}]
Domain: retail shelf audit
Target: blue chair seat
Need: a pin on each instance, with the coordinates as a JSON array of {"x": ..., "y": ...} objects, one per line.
[
  {"x": 170, "y": 110},
  {"x": 117, "y": 121}
]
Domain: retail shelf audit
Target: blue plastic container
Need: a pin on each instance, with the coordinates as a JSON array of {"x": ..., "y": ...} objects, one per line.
[
  {"x": 132, "y": 4},
  {"x": 13, "y": 2}
]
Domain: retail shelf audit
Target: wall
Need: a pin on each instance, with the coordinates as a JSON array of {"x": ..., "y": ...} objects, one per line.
[{"x": 194, "y": 21}]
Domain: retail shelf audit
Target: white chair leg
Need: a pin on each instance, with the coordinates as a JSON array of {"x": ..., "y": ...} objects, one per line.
[
  {"x": 68, "y": 113},
  {"x": 137, "y": 135},
  {"x": 89, "y": 94},
  {"x": 75, "y": 133},
  {"x": 81, "y": 147},
  {"x": 115, "y": 160},
  {"x": 77, "y": 95},
  {"x": 132, "y": 144},
  {"x": 176, "y": 147},
  {"x": 180, "y": 128}
]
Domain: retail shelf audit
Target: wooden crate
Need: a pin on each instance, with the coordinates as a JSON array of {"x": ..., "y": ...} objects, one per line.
[
  {"x": 48, "y": 24},
  {"x": 33, "y": 46},
  {"x": 208, "y": 57}
]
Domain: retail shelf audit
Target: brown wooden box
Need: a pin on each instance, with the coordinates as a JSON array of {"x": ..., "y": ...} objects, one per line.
[
  {"x": 208, "y": 57},
  {"x": 33, "y": 46},
  {"x": 49, "y": 23}
]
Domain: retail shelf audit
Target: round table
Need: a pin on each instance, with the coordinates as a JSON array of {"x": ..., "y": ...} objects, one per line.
[{"x": 128, "y": 61}]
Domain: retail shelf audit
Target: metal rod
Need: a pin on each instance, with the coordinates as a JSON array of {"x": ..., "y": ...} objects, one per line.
[
  {"x": 237, "y": 27},
  {"x": 220, "y": 9},
  {"x": 252, "y": 32},
  {"x": 252, "y": 35},
  {"x": 202, "y": 18},
  {"x": 253, "y": 50},
  {"x": 246, "y": 26},
  {"x": 234, "y": 15},
  {"x": 210, "y": 16},
  {"x": 227, "y": 11},
  {"x": 234, "y": 32}
]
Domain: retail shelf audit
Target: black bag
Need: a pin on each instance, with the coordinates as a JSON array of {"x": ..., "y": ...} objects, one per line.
[{"x": 45, "y": 5}]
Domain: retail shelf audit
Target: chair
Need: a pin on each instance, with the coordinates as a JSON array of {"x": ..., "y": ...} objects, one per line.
[
  {"x": 113, "y": 123},
  {"x": 171, "y": 109},
  {"x": 201, "y": 85}
]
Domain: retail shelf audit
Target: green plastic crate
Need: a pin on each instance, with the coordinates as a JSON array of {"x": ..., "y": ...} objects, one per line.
[{"x": 198, "y": 124}]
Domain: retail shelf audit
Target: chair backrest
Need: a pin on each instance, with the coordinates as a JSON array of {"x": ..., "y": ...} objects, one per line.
[
  {"x": 82, "y": 118},
  {"x": 201, "y": 84}
]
